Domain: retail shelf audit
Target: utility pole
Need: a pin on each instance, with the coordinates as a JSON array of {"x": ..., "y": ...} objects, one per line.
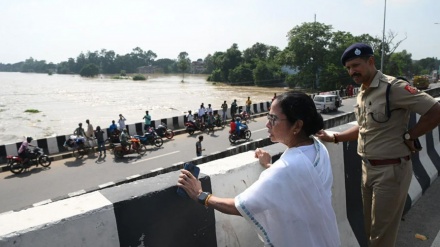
[{"x": 383, "y": 36}]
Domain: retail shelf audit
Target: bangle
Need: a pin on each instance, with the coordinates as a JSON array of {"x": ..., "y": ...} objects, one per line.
[
  {"x": 335, "y": 138},
  {"x": 207, "y": 199}
]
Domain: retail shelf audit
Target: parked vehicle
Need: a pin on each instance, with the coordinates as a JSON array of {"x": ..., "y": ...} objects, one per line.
[
  {"x": 163, "y": 131},
  {"x": 245, "y": 134},
  {"x": 150, "y": 138},
  {"x": 191, "y": 127},
  {"x": 216, "y": 123},
  {"x": 113, "y": 139},
  {"x": 245, "y": 116},
  {"x": 79, "y": 145},
  {"x": 327, "y": 103},
  {"x": 35, "y": 156},
  {"x": 135, "y": 147}
]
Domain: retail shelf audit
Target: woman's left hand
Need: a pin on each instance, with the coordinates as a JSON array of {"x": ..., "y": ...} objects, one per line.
[
  {"x": 264, "y": 157},
  {"x": 190, "y": 184}
]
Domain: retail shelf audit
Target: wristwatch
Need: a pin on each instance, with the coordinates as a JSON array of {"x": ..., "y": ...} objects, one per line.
[
  {"x": 406, "y": 136},
  {"x": 202, "y": 197}
]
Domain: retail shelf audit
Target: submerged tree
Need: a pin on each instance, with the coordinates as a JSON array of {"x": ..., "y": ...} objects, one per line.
[{"x": 183, "y": 63}]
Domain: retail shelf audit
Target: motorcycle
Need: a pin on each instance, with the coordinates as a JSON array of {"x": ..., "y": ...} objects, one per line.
[
  {"x": 191, "y": 127},
  {"x": 150, "y": 138},
  {"x": 135, "y": 147},
  {"x": 113, "y": 138},
  {"x": 79, "y": 146},
  {"x": 216, "y": 122},
  {"x": 35, "y": 156},
  {"x": 163, "y": 131},
  {"x": 245, "y": 133},
  {"x": 245, "y": 116}
]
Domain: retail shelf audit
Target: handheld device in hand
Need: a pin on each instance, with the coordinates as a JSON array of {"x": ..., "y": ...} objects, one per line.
[
  {"x": 194, "y": 171},
  {"x": 417, "y": 144}
]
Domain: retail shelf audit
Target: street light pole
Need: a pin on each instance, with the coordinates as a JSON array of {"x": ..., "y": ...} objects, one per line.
[{"x": 383, "y": 36}]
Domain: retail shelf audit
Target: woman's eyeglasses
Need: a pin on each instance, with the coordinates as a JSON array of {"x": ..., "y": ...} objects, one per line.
[{"x": 273, "y": 119}]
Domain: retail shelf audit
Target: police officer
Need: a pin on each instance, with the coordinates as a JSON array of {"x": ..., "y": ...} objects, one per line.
[{"x": 384, "y": 142}]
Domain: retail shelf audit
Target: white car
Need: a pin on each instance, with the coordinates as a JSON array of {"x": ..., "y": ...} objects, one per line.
[{"x": 326, "y": 103}]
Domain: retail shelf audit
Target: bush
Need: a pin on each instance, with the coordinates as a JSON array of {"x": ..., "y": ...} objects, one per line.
[
  {"x": 32, "y": 111},
  {"x": 89, "y": 70},
  {"x": 421, "y": 82},
  {"x": 139, "y": 77}
]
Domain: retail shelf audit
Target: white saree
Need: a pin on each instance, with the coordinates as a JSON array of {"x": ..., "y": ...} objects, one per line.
[{"x": 290, "y": 204}]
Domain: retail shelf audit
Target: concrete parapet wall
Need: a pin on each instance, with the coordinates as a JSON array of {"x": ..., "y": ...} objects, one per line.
[{"x": 148, "y": 212}]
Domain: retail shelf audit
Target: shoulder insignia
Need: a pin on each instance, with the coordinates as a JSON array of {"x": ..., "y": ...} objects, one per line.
[{"x": 411, "y": 89}]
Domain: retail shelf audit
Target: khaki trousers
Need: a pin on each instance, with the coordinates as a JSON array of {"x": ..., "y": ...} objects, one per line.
[{"x": 384, "y": 192}]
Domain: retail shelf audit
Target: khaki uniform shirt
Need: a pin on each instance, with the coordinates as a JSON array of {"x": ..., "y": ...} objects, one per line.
[{"x": 380, "y": 137}]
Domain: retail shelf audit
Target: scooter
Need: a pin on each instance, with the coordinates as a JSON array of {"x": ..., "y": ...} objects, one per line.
[
  {"x": 135, "y": 147},
  {"x": 35, "y": 157},
  {"x": 163, "y": 131},
  {"x": 245, "y": 133},
  {"x": 191, "y": 127}
]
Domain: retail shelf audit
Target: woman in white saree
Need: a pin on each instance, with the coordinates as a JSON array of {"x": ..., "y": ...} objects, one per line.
[{"x": 290, "y": 203}]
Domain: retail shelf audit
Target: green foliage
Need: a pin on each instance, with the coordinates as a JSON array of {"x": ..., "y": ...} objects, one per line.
[
  {"x": 183, "y": 63},
  {"x": 241, "y": 74},
  {"x": 32, "y": 111},
  {"x": 421, "y": 82},
  {"x": 313, "y": 48},
  {"x": 216, "y": 76},
  {"x": 89, "y": 70},
  {"x": 139, "y": 77}
]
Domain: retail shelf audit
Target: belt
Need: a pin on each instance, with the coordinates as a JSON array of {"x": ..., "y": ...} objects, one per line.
[{"x": 387, "y": 162}]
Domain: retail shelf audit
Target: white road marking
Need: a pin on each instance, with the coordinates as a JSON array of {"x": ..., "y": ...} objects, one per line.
[
  {"x": 42, "y": 202},
  {"x": 106, "y": 185},
  {"x": 76, "y": 193},
  {"x": 155, "y": 157}
]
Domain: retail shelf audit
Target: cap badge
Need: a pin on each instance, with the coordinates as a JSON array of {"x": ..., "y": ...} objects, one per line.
[{"x": 357, "y": 52}]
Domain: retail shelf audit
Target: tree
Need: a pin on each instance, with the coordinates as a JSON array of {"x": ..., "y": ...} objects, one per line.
[
  {"x": 166, "y": 64},
  {"x": 400, "y": 64},
  {"x": 309, "y": 45},
  {"x": 89, "y": 70},
  {"x": 183, "y": 63}
]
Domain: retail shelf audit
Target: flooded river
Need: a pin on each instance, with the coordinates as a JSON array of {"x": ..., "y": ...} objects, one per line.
[{"x": 65, "y": 100}]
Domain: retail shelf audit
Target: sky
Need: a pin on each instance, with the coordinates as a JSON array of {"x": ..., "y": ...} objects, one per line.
[{"x": 55, "y": 30}]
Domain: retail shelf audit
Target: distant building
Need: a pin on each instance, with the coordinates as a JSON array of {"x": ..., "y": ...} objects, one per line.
[{"x": 198, "y": 67}]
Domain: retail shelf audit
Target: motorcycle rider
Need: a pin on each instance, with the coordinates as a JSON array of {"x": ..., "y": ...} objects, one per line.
[
  {"x": 22, "y": 152},
  {"x": 123, "y": 138},
  {"x": 233, "y": 126},
  {"x": 237, "y": 126},
  {"x": 79, "y": 131}
]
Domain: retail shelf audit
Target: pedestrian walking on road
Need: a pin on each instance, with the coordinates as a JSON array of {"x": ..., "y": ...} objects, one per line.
[
  {"x": 99, "y": 134},
  {"x": 199, "y": 148}
]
